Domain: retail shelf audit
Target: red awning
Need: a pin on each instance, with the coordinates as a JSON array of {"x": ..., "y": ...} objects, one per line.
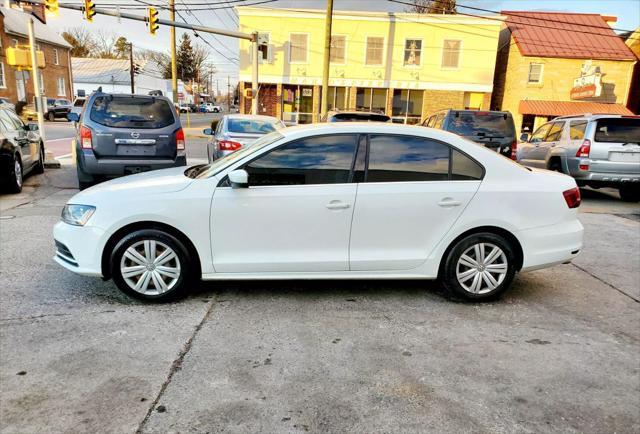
[{"x": 568, "y": 108}]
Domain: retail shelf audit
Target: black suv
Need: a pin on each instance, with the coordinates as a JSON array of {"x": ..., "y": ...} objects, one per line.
[
  {"x": 492, "y": 129},
  {"x": 354, "y": 116},
  {"x": 122, "y": 134}
]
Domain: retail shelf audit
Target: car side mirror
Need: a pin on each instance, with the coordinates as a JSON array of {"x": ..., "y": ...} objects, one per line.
[
  {"x": 239, "y": 178},
  {"x": 524, "y": 137},
  {"x": 73, "y": 117},
  {"x": 31, "y": 126},
  {"x": 207, "y": 132}
]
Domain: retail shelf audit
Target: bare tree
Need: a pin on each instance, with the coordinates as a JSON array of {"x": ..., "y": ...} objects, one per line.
[
  {"x": 433, "y": 7},
  {"x": 81, "y": 41},
  {"x": 105, "y": 45}
]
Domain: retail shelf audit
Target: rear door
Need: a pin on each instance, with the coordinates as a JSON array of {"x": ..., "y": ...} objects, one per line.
[
  {"x": 133, "y": 127},
  {"x": 615, "y": 147}
]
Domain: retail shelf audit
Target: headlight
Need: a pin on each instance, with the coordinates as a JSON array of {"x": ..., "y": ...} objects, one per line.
[{"x": 77, "y": 215}]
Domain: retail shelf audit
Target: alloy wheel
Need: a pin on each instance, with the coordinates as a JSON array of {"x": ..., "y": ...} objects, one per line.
[
  {"x": 150, "y": 267},
  {"x": 482, "y": 268},
  {"x": 17, "y": 169}
]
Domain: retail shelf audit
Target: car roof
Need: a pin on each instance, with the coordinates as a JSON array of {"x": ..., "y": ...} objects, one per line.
[
  {"x": 366, "y": 128},
  {"x": 256, "y": 117}
]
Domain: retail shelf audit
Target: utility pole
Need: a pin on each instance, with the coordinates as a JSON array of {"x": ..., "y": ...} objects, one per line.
[
  {"x": 254, "y": 74},
  {"x": 327, "y": 59},
  {"x": 35, "y": 78},
  {"x": 228, "y": 94},
  {"x": 132, "y": 71},
  {"x": 174, "y": 63}
]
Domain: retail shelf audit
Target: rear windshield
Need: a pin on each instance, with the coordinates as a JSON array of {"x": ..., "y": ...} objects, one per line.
[
  {"x": 250, "y": 126},
  {"x": 358, "y": 117},
  {"x": 78, "y": 103},
  {"x": 481, "y": 124},
  {"x": 619, "y": 130},
  {"x": 131, "y": 112}
]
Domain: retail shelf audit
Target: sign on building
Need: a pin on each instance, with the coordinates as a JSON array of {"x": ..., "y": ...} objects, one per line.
[{"x": 589, "y": 84}]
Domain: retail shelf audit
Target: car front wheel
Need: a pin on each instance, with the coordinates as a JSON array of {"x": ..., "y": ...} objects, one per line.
[
  {"x": 480, "y": 267},
  {"x": 151, "y": 265}
]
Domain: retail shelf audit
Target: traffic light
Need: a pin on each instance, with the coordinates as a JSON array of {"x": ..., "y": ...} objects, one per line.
[
  {"x": 51, "y": 7},
  {"x": 136, "y": 69},
  {"x": 89, "y": 10},
  {"x": 152, "y": 20}
]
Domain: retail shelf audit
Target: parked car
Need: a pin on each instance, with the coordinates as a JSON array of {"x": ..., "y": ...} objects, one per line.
[
  {"x": 330, "y": 201},
  {"x": 233, "y": 132},
  {"x": 121, "y": 134},
  {"x": 492, "y": 129},
  {"x": 597, "y": 150},
  {"x": 21, "y": 150},
  {"x": 184, "y": 108},
  {"x": 78, "y": 104},
  {"x": 209, "y": 107},
  {"x": 6, "y": 103},
  {"x": 354, "y": 116},
  {"x": 57, "y": 108},
  {"x": 193, "y": 107}
]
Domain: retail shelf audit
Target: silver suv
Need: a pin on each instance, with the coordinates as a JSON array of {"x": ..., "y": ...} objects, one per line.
[{"x": 597, "y": 150}]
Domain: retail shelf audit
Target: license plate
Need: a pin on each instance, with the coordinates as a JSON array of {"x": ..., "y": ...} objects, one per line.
[
  {"x": 137, "y": 150},
  {"x": 626, "y": 157}
]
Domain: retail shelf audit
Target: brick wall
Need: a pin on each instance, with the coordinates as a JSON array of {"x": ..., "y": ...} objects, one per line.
[
  {"x": 435, "y": 100},
  {"x": 267, "y": 99}
]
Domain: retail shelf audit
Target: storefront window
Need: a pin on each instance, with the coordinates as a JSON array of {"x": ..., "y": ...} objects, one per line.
[
  {"x": 372, "y": 99},
  {"x": 337, "y": 98},
  {"x": 407, "y": 106},
  {"x": 297, "y": 104}
]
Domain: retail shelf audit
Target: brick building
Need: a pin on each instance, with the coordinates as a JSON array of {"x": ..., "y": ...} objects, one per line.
[
  {"x": 556, "y": 64},
  {"x": 55, "y": 77}
]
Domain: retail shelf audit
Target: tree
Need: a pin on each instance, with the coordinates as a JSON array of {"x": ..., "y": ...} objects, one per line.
[
  {"x": 105, "y": 45},
  {"x": 433, "y": 7},
  {"x": 185, "y": 59},
  {"x": 81, "y": 41},
  {"x": 121, "y": 48}
]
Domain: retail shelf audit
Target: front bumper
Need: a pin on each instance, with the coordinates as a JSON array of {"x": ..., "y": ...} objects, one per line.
[
  {"x": 79, "y": 248},
  {"x": 549, "y": 245},
  {"x": 114, "y": 167}
]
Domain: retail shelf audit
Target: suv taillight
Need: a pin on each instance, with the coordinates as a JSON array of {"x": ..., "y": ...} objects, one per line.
[
  {"x": 514, "y": 149},
  {"x": 583, "y": 152},
  {"x": 229, "y": 145},
  {"x": 572, "y": 197},
  {"x": 85, "y": 137},
  {"x": 180, "y": 144}
]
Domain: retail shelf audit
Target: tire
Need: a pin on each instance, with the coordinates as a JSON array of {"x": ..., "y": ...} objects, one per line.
[
  {"x": 84, "y": 180},
  {"x": 555, "y": 165},
  {"x": 630, "y": 193},
  {"x": 51, "y": 116},
  {"x": 15, "y": 178},
  {"x": 153, "y": 285},
  {"x": 39, "y": 167},
  {"x": 465, "y": 287}
]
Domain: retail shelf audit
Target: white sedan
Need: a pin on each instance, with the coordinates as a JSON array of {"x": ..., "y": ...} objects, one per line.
[{"x": 332, "y": 201}]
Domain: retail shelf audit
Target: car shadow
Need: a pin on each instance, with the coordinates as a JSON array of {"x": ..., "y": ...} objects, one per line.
[{"x": 603, "y": 194}]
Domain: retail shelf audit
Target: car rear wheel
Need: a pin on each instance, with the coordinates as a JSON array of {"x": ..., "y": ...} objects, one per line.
[
  {"x": 151, "y": 265},
  {"x": 14, "y": 182},
  {"x": 51, "y": 116},
  {"x": 630, "y": 193},
  {"x": 479, "y": 267}
]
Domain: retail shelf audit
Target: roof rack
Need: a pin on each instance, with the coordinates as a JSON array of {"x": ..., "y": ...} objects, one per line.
[{"x": 587, "y": 114}]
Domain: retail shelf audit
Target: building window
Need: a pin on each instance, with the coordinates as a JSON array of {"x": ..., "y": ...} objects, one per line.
[
  {"x": 14, "y": 42},
  {"x": 338, "y": 52},
  {"x": 338, "y": 98},
  {"x": 451, "y": 53},
  {"x": 535, "y": 73},
  {"x": 375, "y": 48},
  {"x": 265, "y": 53},
  {"x": 61, "y": 87},
  {"x": 412, "y": 52},
  {"x": 371, "y": 99},
  {"x": 298, "y": 47},
  {"x": 41, "y": 83},
  {"x": 407, "y": 106},
  {"x": 3, "y": 82},
  {"x": 56, "y": 58}
]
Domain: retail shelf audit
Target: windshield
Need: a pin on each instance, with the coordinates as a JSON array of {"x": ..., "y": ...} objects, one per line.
[
  {"x": 481, "y": 124},
  {"x": 131, "y": 112},
  {"x": 211, "y": 169},
  {"x": 251, "y": 126},
  {"x": 618, "y": 130}
]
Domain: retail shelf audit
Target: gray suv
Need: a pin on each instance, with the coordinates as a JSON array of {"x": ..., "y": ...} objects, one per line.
[
  {"x": 122, "y": 134},
  {"x": 597, "y": 150}
]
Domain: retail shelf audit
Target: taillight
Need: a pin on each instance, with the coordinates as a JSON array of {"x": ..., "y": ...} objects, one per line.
[
  {"x": 180, "y": 140},
  {"x": 583, "y": 152},
  {"x": 572, "y": 197},
  {"x": 514, "y": 149},
  {"x": 229, "y": 145},
  {"x": 85, "y": 137}
]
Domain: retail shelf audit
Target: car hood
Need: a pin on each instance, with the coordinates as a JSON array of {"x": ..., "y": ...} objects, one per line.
[{"x": 147, "y": 183}]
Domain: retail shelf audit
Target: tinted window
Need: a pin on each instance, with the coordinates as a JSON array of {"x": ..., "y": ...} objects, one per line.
[
  {"x": 576, "y": 129},
  {"x": 250, "y": 126},
  {"x": 6, "y": 122},
  {"x": 481, "y": 123},
  {"x": 555, "y": 132},
  {"x": 78, "y": 103},
  {"x": 131, "y": 112},
  {"x": 406, "y": 158},
  {"x": 623, "y": 130},
  {"x": 314, "y": 160},
  {"x": 464, "y": 168},
  {"x": 540, "y": 133},
  {"x": 359, "y": 117}
]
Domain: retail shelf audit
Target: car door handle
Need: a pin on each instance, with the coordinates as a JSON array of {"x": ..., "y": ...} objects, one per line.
[
  {"x": 337, "y": 204},
  {"x": 448, "y": 202}
]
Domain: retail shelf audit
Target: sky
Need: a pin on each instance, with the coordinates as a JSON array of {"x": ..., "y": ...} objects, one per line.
[{"x": 627, "y": 11}]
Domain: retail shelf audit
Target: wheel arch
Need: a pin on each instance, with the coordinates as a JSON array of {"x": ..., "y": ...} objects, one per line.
[
  {"x": 507, "y": 235},
  {"x": 127, "y": 229}
]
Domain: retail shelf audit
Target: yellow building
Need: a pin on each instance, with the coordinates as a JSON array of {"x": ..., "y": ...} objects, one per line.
[
  {"x": 406, "y": 65},
  {"x": 557, "y": 64}
]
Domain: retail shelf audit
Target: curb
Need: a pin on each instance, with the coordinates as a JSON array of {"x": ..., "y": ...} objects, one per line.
[{"x": 49, "y": 161}]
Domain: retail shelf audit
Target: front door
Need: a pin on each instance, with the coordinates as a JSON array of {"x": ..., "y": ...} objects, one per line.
[
  {"x": 296, "y": 214},
  {"x": 529, "y": 153},
  {"x": 410, "y": 198}
]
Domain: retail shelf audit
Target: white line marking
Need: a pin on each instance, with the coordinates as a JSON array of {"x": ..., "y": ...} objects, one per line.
[
  {"x": 64, "y": 156},
  {"x": 57, "y": 140}
]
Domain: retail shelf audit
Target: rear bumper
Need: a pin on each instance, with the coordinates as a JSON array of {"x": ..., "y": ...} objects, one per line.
[
  {"x": 614, "y": 173},
  {"x": 113, "y": 167},
  {"x": 550, "y": 245}
]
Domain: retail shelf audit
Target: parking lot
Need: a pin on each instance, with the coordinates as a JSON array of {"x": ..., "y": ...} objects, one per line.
[{"x": 560, "y": 352}]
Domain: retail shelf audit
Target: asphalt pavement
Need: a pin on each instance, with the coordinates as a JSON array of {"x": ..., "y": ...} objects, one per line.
[{"x": 559, "y": 353}]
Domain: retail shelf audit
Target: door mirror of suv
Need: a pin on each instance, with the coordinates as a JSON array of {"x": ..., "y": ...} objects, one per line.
[
  {"x": 239, "y": 179},
  {"x": 524, "y": 137},
  {"x": 207, "y": 132},
  {"x": 73, "y": 117}
]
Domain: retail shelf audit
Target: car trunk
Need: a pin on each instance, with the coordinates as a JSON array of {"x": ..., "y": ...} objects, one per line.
[
  {"x": 130, "y": 142},
  {"x": 615, "y": 146},
  {"x": 244, "y": 139}
]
